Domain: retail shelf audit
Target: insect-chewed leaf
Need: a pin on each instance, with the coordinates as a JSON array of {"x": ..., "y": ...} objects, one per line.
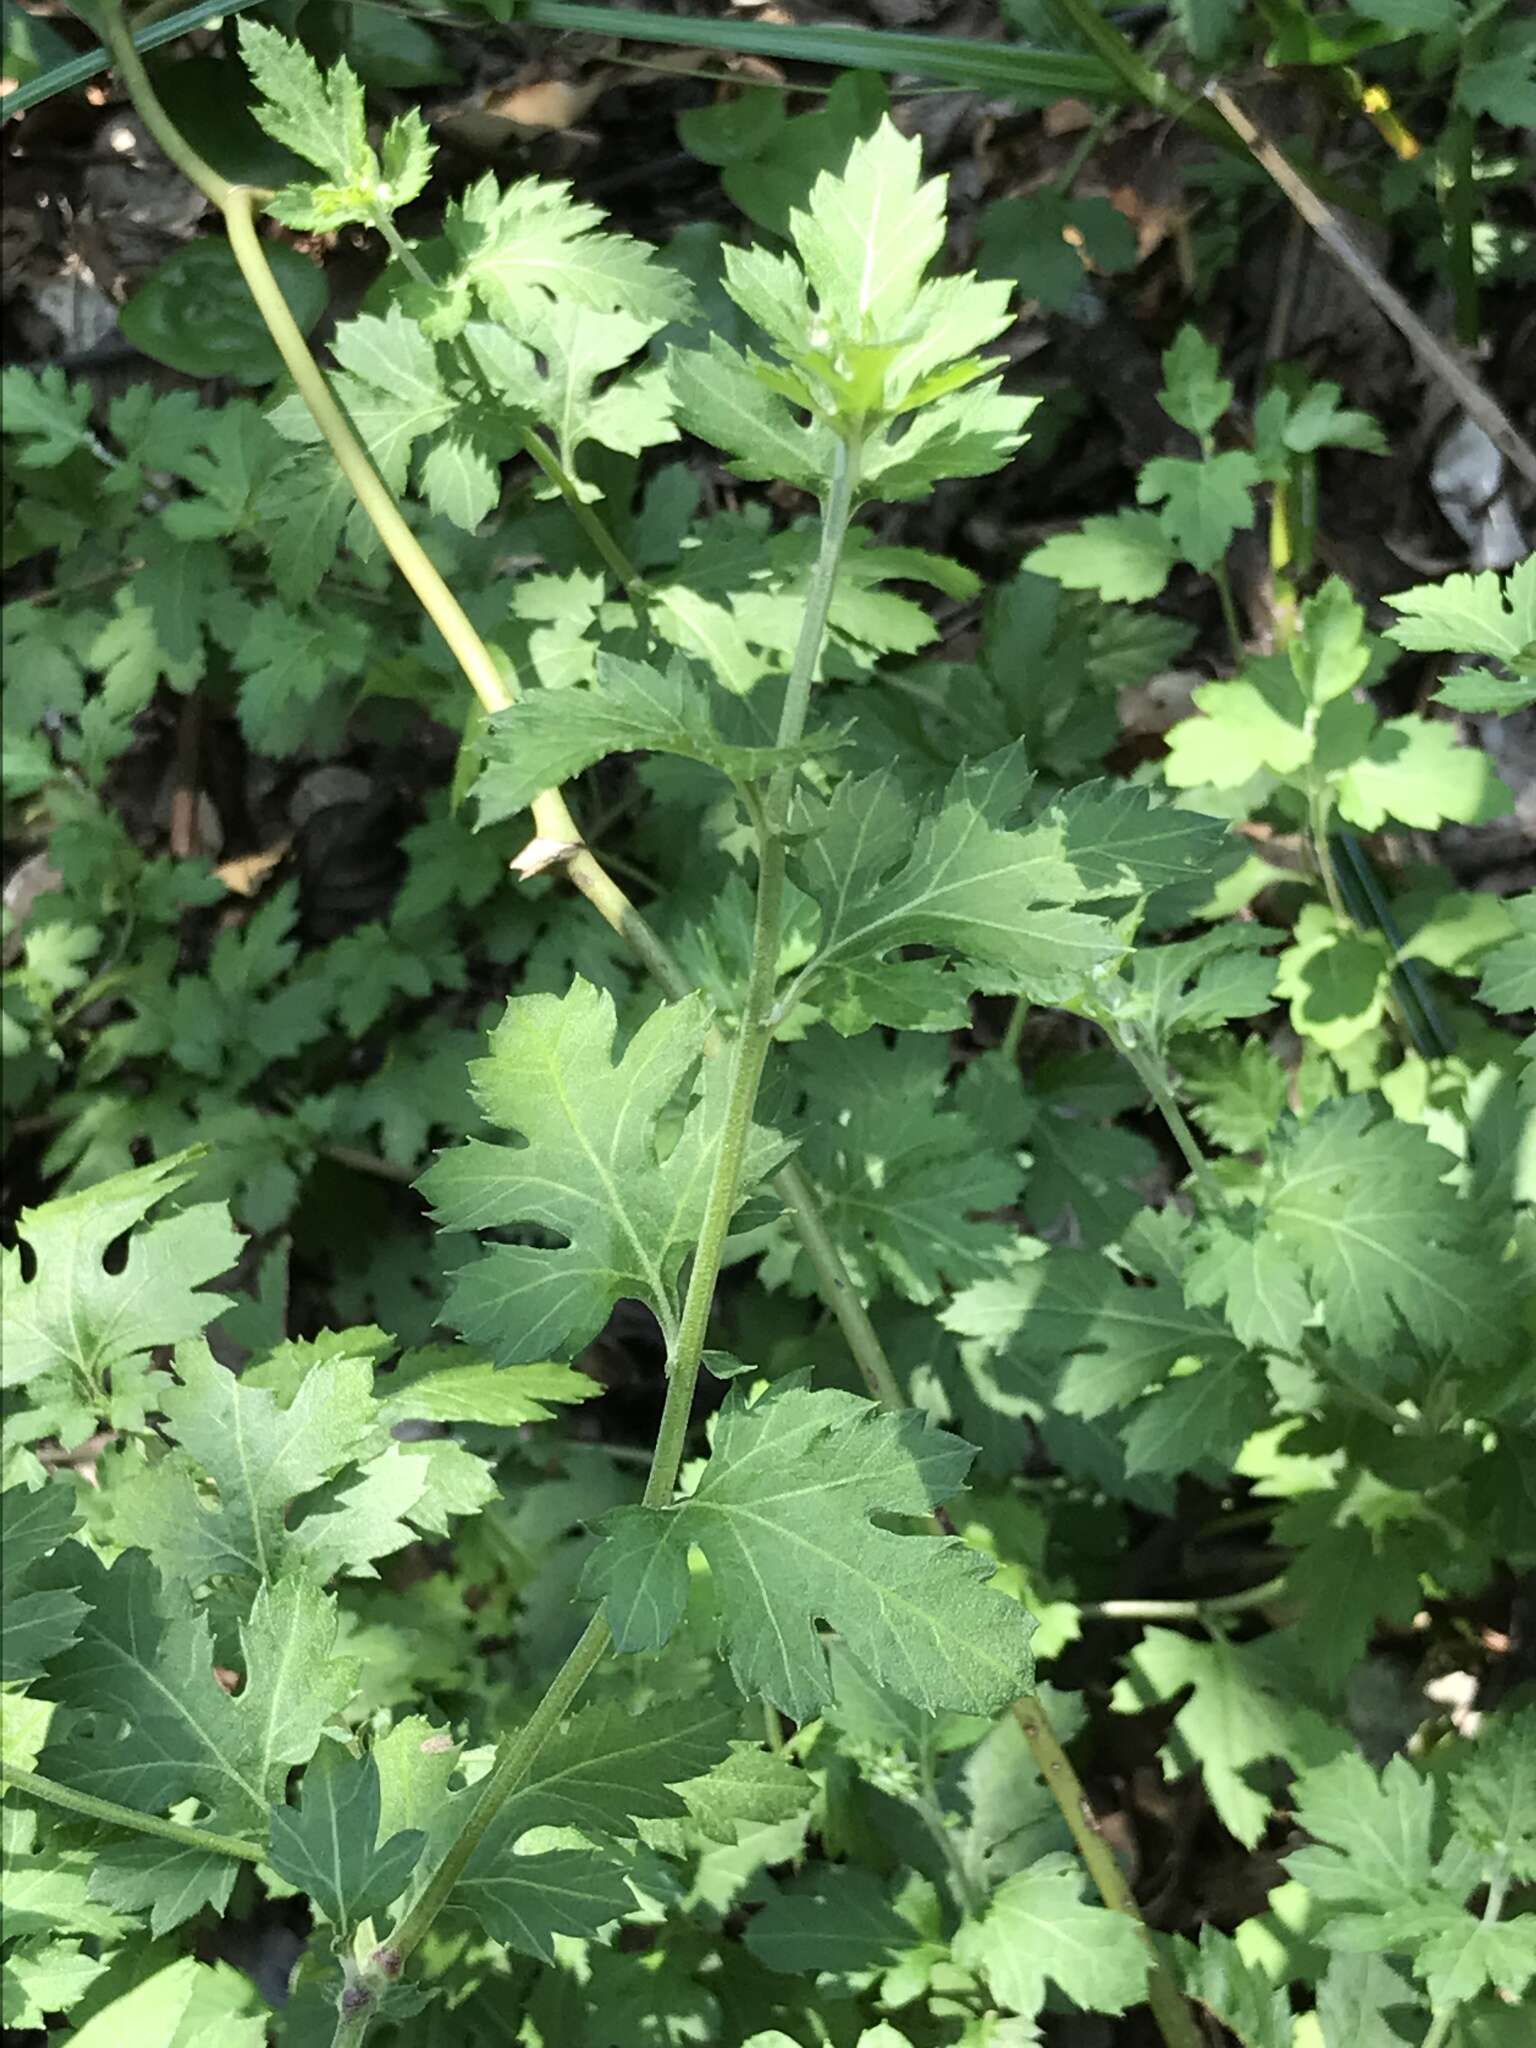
[
  {"x": 145, "y": 1662},
  {"x": 784, "y": 1514},
  {"x": 73, "y": 1323},
  {"x": 589, "y": 1172}
]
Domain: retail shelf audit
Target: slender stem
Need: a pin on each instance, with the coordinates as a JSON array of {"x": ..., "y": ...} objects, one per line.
[
  {"x": 196, "y": 170},
  {"x": 1153, "y": 1076},
  {"x": 836, "y": 513},
  {"x": 1223, "y": 582},
  {"x": 1013, "y": 1030},
  {"x": 1175, "y": 2021},
  {"x": 591, "y": 525},
  {"x": 410, "y": 558},
  {"x": 1318, "y": 807},
  {"x": 514, "y": 1759},
  {"x": 533, "y": 442},
  {"x": 518, "y": 1752},
  {"x": 1460, "y": 193},
  {"x": 112, "y": 1815},
  {"x": 1498, "y": 1887},
  {"x": 929, "y": 1808},
  {"x": 837, "y": 1289},
  {"x": 1185, "y": 1610},
  {"x": 1140, "y": 79}
]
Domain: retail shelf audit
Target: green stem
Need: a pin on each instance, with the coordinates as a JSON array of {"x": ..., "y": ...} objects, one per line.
[
  {"x": 1013, "y": 1030},
  {"x": 1153, "y": 1076},
  {"x": 1460, "y": 192},
  {"x": 1175, "y": 2021},
  {"x": 837, "y": 511},
  {"x": 929, "y": 1809},
  {"x": 1185, "y": 1610},
  {"x": 591, "y": 525},
  {"x": 1141, "y": 80},
  {"x": 111, "y": 1815},
  {"x": 837, "y": 1289},
  {"x": 516, "y": 1755},
  {"x": 514, "y": 1759},
  {"x": 1319, "y": 804},
  {"x": 1229, "y": 619}
]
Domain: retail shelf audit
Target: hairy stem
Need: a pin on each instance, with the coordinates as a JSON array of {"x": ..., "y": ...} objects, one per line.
[{"x": 111, "y": 1815}]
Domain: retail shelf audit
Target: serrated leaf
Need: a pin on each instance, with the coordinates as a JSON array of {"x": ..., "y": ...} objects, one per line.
[
  {"x": 1198, "y": 1419},
  {"x": 782, "y": 1513},
  {"x": 522, "y": 247},
  {"x": 719, "y": 397},
  {"x": 1353, "y": 1998},
  {"x": 1075, "y": 1312},
  {"x": 171, "y": 1883},
  {"x": 37, "y": 1622},
  {"x": 1235, "y": 1991},
  {"x": 1416, "y": 771},
  {"x": 1483, "y": 614},
  {"x": 330, "y": 1847},
  {"x": 1125, "y": 556},
  {"x": 958, "y": 882},
  {"x": 1255, "y": 1280},
  {"x": 1203, "y": 504},
  {"x": 552, "y": 369},
  {"x": 1509, "y": 971},
  {"x": 837, "y": 1919},
  {"x": 1194, "y": 391},
  {"x": 434, "y": 1386},
  {"x": 1480, "y": 691},
  {"x": 73, "y": 1323},
  {"x": 1190, "y": 985},
  {"x": 322, "y": 117},
  {"x": 1037, "y": 1929},
  {"x": 145, "y": 1661},
  {"x": 587, "y": 1171},
  {"x": 260, "y": 1454},
  {"x": 1493, "y": 1791},
  {"x": 1233, "y": 1719},
  {"x": 867, "y": 236},
  {"x": 1384, "y": 1242},
  {"x": 551, "y": 735},
  {"x": 185, "y": 2004}
]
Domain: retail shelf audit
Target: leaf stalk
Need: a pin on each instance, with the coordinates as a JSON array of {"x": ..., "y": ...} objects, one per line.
[{"x": 112, "y": 1815}]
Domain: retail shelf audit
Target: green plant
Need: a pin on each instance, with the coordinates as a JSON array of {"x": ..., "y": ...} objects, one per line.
[{"x": 536, "y": 1685}]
